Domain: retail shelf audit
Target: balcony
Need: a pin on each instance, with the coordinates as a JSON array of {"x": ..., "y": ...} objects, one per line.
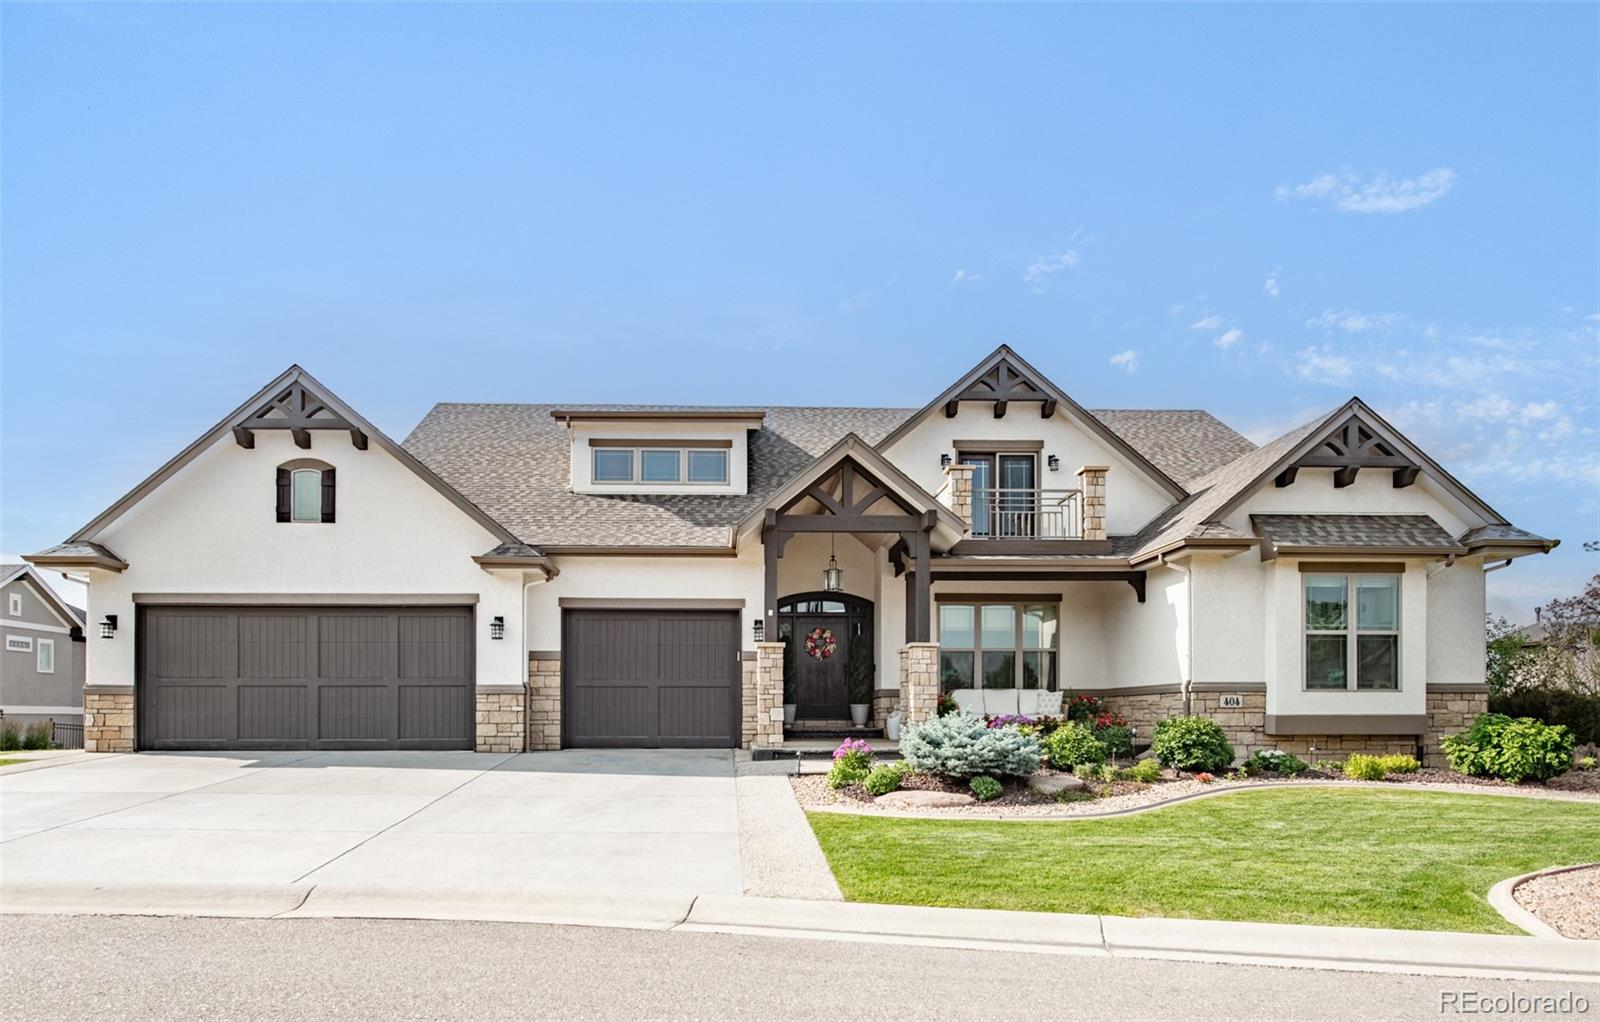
[{"x": 1027, "y": 514}]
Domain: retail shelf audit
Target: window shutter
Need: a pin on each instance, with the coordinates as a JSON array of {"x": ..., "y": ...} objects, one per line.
[
  {"x": 327, "y": 495},
  {"x": 283, "y": 495}
]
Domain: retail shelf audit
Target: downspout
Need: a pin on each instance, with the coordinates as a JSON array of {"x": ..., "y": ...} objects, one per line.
[
  {"x": 1188, "y": 602},
  {"x": 527, "y": 694}
]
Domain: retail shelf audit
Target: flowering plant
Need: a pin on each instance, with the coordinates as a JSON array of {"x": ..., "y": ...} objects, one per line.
[
  {"x": 1204, "y": 778},
  {"x": 852, "y": 747},
  {"x": 1110, "y": 720},
  {"x": 852, "y": 762},
  {"x": 1008, "y": 720},
  {"x": 1083, "y": 708}
]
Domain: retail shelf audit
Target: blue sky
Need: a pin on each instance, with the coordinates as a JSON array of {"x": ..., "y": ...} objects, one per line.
[{"x": 1255, "y": 210}]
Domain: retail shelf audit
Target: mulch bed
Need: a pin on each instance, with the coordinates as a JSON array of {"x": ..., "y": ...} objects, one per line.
[{"x": 1568, "y": 902}]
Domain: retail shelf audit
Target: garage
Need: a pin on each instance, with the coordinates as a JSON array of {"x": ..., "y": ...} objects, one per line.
[
  {"x": 650, "y": 679},
  {"x": 313, "y": 677}
]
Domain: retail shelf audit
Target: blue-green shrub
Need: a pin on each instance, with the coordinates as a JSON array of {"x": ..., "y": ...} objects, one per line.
[{"x": 959, "y": 745}]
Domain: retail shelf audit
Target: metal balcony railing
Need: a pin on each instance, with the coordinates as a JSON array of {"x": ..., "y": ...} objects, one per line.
[{"x": 1027, "y": 514}]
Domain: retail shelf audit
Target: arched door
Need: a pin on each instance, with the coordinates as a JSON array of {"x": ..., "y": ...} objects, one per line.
[{"x": 823, "y": 629}]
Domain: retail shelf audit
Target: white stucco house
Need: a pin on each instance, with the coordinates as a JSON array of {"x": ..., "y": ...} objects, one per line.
[{"x": 539, "y": 576}]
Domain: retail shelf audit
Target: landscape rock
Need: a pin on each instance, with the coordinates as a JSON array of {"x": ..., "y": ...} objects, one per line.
[
  {"x": 1055, "y": 784},
  {"x": 924, "y": 799}
]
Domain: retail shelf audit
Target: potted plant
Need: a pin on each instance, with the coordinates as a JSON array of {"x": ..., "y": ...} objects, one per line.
[
  {"x": 788, "y": 681},
  {"x": 860, "y": 674}
]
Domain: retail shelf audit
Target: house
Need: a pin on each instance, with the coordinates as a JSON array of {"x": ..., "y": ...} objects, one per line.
[
  {"x": 42, "y": 665},
  {"x": 540, "y": 576}
]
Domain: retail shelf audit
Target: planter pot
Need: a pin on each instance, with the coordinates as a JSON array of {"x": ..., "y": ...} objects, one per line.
[
  {"x": 788, "y": 713},
  {"x": 859, "y": 713},
  {"x": 891, "y": 727}
]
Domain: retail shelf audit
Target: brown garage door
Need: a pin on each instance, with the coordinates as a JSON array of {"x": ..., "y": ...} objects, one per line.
[
  {"x": 305, "y": 678},
  {"x": 651, "y": 679}
]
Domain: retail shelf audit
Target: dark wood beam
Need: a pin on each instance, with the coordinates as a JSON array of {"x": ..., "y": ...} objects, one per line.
[
  {"x": 302, "y": 438},
  {"x": 999, "y": 409},
  {"x": 1358, "y": 460},
  {"x": 1286, "y": 477},
  {"x": 865, "y": 503},
  {"x": 244, "y": 438},
  {"x": 358, "y": 440},
  {"x": 1047, "y": 409},
  {"x": 823, "y": 497},
  {"x": 770, "y": 552},
  {"x": 1404, "y": 477},
  {"x": 897, "y": 556},
  {"x": 848, "y": 523},
  {"x": 1345, "y": 475},
  {"x": 951, "y": 408}
]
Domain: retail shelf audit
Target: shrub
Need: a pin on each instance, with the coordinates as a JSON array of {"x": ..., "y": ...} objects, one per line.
[
  {"x": 1087, "y": 771},
  {"x": 1073, "y": 744},
  {"x": 852, "y": 762},
  {"x": 10, "y": 736},
  {"x": 1117, "y": 739},
  {"x": 1578, "y": 711},
  {"x": 1399, "y": 763},
  {"x": 960, "y": 746},
  {"x": 1360, "y": 767},
  {"x": 1511, "y": 749},
  {"x": 1146, "y": 771},
  {"x": 1083, "y": 709},
  {"x": 37, "y": 735},
  {"x": 1191, "y": 743},
  {"x": 1273, "y": 761},
  {"x": 886, "y": 778},
  {"x": 1017, "y": 720},
  {"x": 985, "y": 788},
  {"x": 1586, "y": 763}
]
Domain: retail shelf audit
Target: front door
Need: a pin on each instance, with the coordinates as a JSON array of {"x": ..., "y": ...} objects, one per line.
[{"x": 822, "y": 649}]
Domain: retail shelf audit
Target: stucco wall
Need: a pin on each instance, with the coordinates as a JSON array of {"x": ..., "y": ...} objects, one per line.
[
  {"x": 212, "y": 528},
  {"x": 1131, "y": 498},
  {"x": 1373, "y": 493},
  {"x": 1455, "y": 623},
  {"x": 1147, "y": 643}
]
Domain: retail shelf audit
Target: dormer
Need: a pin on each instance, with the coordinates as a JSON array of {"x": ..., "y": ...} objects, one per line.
[{"x": 660, "y": 451}]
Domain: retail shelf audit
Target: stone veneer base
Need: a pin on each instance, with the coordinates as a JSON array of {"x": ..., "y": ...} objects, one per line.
[
  {"x": 108, "y": 715},
  {"x": 502, "y": 720},
  {"x": 544, "y": 703}
]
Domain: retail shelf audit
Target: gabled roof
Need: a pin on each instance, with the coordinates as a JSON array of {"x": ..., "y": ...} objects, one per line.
[
  {"x": 69, "y": 615},
  {"x": 1185, "y": 443},
  {"x": 249, "y": 413},
  {"x": 1002, "y": 357},
  {"x": 1409, "y": 535}
]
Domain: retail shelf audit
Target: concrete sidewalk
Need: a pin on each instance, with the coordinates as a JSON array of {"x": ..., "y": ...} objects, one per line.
[{"x": 1314, "y": 947}]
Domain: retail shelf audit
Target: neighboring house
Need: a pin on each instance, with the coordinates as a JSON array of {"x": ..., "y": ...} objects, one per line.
[
  {"x": 42, "y": 664},
  {"x": 540, "y": 576}
]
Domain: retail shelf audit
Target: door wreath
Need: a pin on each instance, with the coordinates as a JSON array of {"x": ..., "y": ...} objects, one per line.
[{"x": 820, "y": 643}]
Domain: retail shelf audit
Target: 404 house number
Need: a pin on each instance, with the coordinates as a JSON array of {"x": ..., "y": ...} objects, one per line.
[{"x": 1232, "y": 702}]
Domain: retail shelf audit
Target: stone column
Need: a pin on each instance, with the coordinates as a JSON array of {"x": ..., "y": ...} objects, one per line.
[
  {"x": 769, "y": 694},
  {"x": 1092, "y": 486},
  {"x": 108, "y": 718},
  {"x": 919, "y": 681},
  {"x": 960, "y": 477},
  {"x": 502, "y": 718},
  {"x": 544, "y": 701}
]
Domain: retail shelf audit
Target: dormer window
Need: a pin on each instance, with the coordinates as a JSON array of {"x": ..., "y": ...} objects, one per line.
[
  {"x": 656, "y": 463},
  {"x": 305, "y": 491}
]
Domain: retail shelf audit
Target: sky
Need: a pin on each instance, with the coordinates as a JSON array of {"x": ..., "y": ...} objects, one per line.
[{"x": 1259, "y": 211}]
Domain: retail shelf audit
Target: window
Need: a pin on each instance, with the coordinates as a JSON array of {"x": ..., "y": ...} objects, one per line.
[
  {"x": 306, "y": 504},
  {"x": 657, "y": 465},
  {"x": 19, "y": 644},
  {"x": 15, "y": 601},
  {"x": 1352, "y": 632},
  {"x": 997, "y": 646},
  {"x": 305, "y": 491},
  {"x": 46, "y": 657}
]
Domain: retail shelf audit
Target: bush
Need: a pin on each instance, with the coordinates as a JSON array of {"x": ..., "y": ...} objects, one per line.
[
  {"x": 1511, "y": 749},
  {"x": 1360, "y": 767},
  {"x": 985, "y": 788},
  {"x": 10, "y": 736},
  {"x": 1118, "y": 740},
  {"x": 852, "y": 762},
  {"x": 1073, "y": 744},
  {"x": 960, "y": 746},
  {"x": 1579, "y": 712},
  {"x": 885, "y": 778},
  {"x": 37, "y": 735},
  {"x": 1399, "y": 763},
  {"x": 1586, "y": 763},
  {"x": 1273, "y": 761},
  {"x": 1087, "y": 771},
  {"x": 1146, "y": 771},
  {"x": 1191, "y": 743}
]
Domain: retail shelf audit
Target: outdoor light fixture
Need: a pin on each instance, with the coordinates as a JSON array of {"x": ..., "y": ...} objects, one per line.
[
  {"x": 1054, "y": 463},
  {"x": 497, "y": 628},
  {"x": 758, "y": 630},
  {"x": 832, "y": 575},
  {"x": 108, "y": 626},
  {"x": 944, "y": 461}
]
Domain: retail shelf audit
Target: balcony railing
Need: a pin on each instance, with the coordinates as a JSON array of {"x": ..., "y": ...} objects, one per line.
[{"x": 1027, "y": 514}]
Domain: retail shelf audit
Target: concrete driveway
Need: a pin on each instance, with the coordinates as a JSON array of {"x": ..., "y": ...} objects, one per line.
[{"x": 635, "y": 821}]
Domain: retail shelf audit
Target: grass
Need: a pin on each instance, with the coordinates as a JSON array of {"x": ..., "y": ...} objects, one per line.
[
  {"x": 9, "y": 762},
  {"x": 1402, "y": 859}
]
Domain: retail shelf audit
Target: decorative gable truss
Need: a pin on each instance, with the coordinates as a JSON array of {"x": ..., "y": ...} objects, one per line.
[
  {"x": 299, "y": 410},
  {"x": 1348, "y": 449},
  {"x": 1002, "y": 384}
]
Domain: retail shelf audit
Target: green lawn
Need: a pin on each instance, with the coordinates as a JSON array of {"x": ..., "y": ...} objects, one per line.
[
  {"x": 9, "y": 762},
  {"x": 1401, "y": 859}
]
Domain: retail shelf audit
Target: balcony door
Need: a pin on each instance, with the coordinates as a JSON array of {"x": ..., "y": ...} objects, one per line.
[{"x": 1005, "y": 496}]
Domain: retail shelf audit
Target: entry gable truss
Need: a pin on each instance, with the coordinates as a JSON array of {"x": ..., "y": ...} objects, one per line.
[
  {"x": 298, "y": 409},
  {"x": 1347, "y": 449}
]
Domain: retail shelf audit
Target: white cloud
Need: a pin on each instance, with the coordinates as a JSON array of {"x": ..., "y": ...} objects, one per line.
[
  {"x": 1352, "y": 322},
  {"x": 1271, "y": 285},
  {"x": 1322, "y": 365},
  {"x": 963, "y": 277},
  {"x": 1229, "y": 339},
  {"x": 1127, "y": 361},
  {"x": 1206, "y": 323},
  {"x": 1045, "y": 265},
  {"x": 1380, "y": 193}
]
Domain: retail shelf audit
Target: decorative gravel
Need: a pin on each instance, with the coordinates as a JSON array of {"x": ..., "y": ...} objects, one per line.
[
  {"x": 1569, "y": 902},
  {"x": 1019, "y": 801}
]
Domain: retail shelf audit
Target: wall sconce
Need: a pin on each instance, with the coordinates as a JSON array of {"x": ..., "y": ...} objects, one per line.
[
  {"x": 758, "y": 630},
  {"x": 108, "y": 626},
  {"x": 1054, "y": 463},
  {"x": 944, "y": 461},
  {"x": 497, "y": 628}
]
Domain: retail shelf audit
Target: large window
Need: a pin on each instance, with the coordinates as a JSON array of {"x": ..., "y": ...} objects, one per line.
[
  {"x": 1352, "y": 633},
  {"x": 997, "y": 646},
  {"x": 659, "y": 465}
]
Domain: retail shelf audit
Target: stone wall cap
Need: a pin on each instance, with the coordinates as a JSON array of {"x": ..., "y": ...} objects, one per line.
[
  {"x": 107, "y": 690},
  {"x": 1094, "y": 468},
  {"x": 504, "y": 690},
  {"x": 919, "y": 645}
]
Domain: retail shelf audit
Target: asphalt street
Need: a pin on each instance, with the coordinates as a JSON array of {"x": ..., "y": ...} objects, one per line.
[{"x": 130, "y": 968}]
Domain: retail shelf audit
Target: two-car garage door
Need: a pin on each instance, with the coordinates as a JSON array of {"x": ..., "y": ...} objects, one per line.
[{"x": 305, "y": 678}]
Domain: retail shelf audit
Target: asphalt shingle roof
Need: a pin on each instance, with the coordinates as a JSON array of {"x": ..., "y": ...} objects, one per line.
[
  {"x": 1183, "y": 443},
  {"x": 1396, "y": 532}
]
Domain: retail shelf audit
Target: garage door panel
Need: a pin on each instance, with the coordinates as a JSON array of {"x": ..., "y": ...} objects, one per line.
[
  {"x": 273, "y": 713},
  {"x": 435, "y": 646},
  {"x": 696, "y": 713},
  {"x": 355, "y": 646},
  {"x": 275, "y": 646},
  {"x": 432, "y": 712},
  {"x": 194, "y": 712},
  {"x": 196, "y": 646}
]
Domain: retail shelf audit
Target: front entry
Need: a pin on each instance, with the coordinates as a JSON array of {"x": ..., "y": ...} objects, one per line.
[{"x": 826, "y": 633}]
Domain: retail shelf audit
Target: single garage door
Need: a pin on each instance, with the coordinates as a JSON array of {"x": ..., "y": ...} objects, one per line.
[
  {"x": 651, "y": 679},
  {"x": 305, "y": 678}
]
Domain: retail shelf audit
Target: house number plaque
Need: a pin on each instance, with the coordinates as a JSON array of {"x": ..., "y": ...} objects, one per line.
[{"x": 1233, "y": 702}]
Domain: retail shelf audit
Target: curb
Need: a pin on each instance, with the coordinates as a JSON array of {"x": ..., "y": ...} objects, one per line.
[
  {"x": 230, "y": 901},
  {"x": 1503, "y": 899},
  {"x": 45, "y": 762}
]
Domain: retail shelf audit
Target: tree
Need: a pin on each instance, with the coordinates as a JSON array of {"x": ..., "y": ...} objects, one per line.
[
  {"x": 1504, "y": 654},
  {"x": 1570, "y": 655}
]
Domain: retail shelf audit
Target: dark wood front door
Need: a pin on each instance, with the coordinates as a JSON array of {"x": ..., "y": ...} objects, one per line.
[{"x": 822, "y": 685}]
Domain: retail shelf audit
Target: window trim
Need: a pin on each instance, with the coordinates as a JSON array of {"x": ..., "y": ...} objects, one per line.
[
  {"x": 1019, "y": 608},
  {"x": 19, "y": 644},
  {"x": 637, "y": 450},
  {"x": 38, "y": 656},
  {"x": 1352, "y": 629},
  {"x": 14, "y": 604}
]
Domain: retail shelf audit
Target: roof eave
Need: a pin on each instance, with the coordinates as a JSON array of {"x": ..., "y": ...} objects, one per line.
[{"x": 76, "y": 561}]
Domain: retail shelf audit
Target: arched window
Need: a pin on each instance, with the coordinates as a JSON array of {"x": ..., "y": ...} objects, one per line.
[{"x": 305, "y": 491}]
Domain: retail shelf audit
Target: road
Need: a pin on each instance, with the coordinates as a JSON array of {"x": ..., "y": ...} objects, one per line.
[{"x": 132, "y": 968}]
